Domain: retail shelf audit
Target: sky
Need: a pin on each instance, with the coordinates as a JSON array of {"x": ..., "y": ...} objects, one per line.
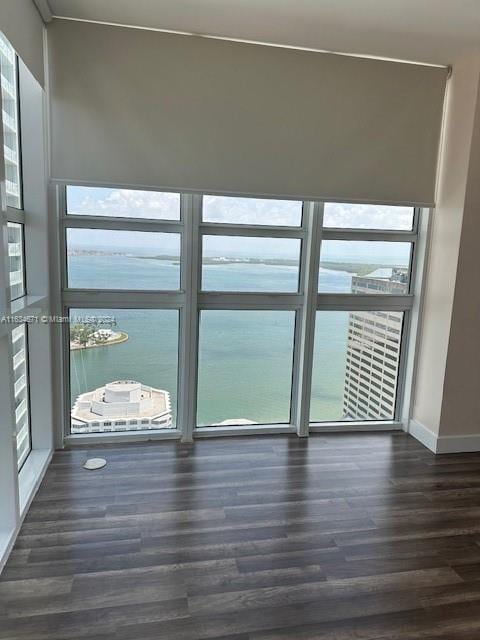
[{"x": 166, "y": 206}]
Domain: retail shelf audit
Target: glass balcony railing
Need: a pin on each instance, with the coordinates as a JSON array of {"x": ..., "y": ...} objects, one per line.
[
  {"x": 8, "y": 87},
  {"x": 12, "y": 187},
  {"x": 6, "y": 51},
  {"x": 10, "y": 155},
  {"x": 21, "y": 410},
  {"x": 14, "y": 249},
  {"x": 18, "y": 359},
  {"x": 9, "y": 122},
  {"x": 20, "y": 384}
]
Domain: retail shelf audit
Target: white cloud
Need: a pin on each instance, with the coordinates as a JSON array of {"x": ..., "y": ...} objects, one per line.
[
  {"x": 367, "y": 216},
  {"x": 123, "y": 203}
]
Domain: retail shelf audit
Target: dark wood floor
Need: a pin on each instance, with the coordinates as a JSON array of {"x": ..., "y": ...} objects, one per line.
[{"x": 340, "y": 537}]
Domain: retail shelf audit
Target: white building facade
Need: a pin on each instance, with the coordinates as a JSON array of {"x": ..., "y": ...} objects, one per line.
[{"x": 123, "y": 405}]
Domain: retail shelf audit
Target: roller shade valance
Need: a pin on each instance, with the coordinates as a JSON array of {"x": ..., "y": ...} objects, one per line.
[{"x": 138, "y": 107}]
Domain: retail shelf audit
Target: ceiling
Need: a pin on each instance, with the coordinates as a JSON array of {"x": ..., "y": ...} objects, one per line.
[{"x": 434, "y": 31}]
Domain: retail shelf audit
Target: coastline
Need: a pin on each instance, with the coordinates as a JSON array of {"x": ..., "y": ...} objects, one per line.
[{"x": 122, "y": 336}]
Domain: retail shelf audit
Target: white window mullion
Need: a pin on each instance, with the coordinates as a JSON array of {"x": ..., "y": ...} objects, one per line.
[
  {"x": 364, "y": 302},
  {"x": 243, "y": 300},
  {"x": 222, "y": 229},
  {"x": 409, "y": 354},
  {"x": 120, "y": 224},
  {"x": 368, "y": 235},
  {"x": 187, "y": 407},
  {"x": 305, "y": 330}
]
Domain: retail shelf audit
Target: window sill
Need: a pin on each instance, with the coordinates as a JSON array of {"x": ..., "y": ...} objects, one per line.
[
  {"x": 28, "y": 305},
  {"x": 81, "y": 439},
  {"x": 31, "y": 475}
]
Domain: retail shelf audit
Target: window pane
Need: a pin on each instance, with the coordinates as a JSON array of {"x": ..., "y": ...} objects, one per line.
[
  {"x": 364, "y": 267},
  {"x": 15, "y": 260},
  {"x": 110, "y": 259},
  {"x": 367, "y": 216},
  {"x": 123, "y": 369},
  {"x": 123, "y": 203},
  {"x": 234, "y": 263},
  {"x": 280, "y": 213},
  {"x": 245, "y": 367},
  {"x": 11, "y": 147},
  {"x": 22, "y": 409},
  {"x": 355, "y": 367}
]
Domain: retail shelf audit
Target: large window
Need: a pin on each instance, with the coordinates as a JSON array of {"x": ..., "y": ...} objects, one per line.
[
  {"x": 261, "y": 312},
  {"x": 355, "y": 366},
  {"x": 246, "y": 263},
  {"x": 122, "y": 203},
  {"x": 245, "y": 367},
  {"x": 338, "y": 215},
  {"x": 123, "y": 369},
  {"x": 112, "y": 259},
  {"x": 252, "y": 211},
  {"x": 348, "y": 266}
]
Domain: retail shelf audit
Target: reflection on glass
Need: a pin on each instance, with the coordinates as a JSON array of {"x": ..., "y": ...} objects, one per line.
[
  {"x": 110, "y": 259},
  {"x": 367, "y": 216},
  {"x": 15, "y": 260},
  {"x": 245, "y": 367},
  {"x": 123, "y": 203},
  {"x": 233, "y": 263},
  {"x": 355, "y": 367},
  {"x": 22, "y": 409},
  {"x": 229, "y": 210},
  {"x": 364, "y": 267},
  {"x": 123, "y": 369},
  {"x": 11, "y": 135}
]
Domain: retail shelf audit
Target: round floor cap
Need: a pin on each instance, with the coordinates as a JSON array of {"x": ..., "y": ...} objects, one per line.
[{"x": 94, "y": 463}]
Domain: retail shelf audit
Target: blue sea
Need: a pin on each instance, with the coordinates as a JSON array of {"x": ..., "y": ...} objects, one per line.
[{"x": 245, "y": 357}]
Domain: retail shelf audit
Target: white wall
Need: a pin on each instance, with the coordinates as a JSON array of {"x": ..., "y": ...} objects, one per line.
[
  {"x": 461, "y": 401},
  {"x": 22, "y": 25},
  {"x": 447, "y": 398}
]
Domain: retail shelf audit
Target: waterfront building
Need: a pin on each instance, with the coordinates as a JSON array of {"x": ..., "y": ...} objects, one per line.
[
  {"x": 123, "y": 405},
  {"x": 373, "y": 350}
]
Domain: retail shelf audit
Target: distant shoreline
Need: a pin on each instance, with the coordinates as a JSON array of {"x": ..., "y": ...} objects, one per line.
[
  {"x": 120, "y": 337},
  {"x": 360, "y": 269}
]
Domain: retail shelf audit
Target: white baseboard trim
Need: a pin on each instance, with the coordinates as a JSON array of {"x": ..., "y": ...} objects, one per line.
[
  {"x": 443, "y": 444},
  {"x": 423, "y": 435},
  {"x": 458, "y": 444}
]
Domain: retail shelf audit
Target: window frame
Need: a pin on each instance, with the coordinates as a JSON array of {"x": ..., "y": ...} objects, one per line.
[
  {"x": 67, "y": 368},
  {"x": 115, "y": 228},
  {"x": 190, "y": 300}
]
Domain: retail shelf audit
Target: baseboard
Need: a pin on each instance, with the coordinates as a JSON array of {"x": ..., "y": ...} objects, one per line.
[
  {"x": 443, "y": 444},
  {"x": 458, "y": 444},
  {"x": 423, "y": 435}
]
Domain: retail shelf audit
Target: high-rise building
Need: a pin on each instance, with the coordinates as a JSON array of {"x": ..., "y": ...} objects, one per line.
[{"x": 373, "y": 350}]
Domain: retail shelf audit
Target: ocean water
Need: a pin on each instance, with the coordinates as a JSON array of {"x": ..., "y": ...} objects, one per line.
[{"x": 245, "y": 357}]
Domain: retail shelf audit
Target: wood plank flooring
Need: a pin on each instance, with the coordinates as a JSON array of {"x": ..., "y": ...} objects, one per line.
[{"x": 338, "y": 537}]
